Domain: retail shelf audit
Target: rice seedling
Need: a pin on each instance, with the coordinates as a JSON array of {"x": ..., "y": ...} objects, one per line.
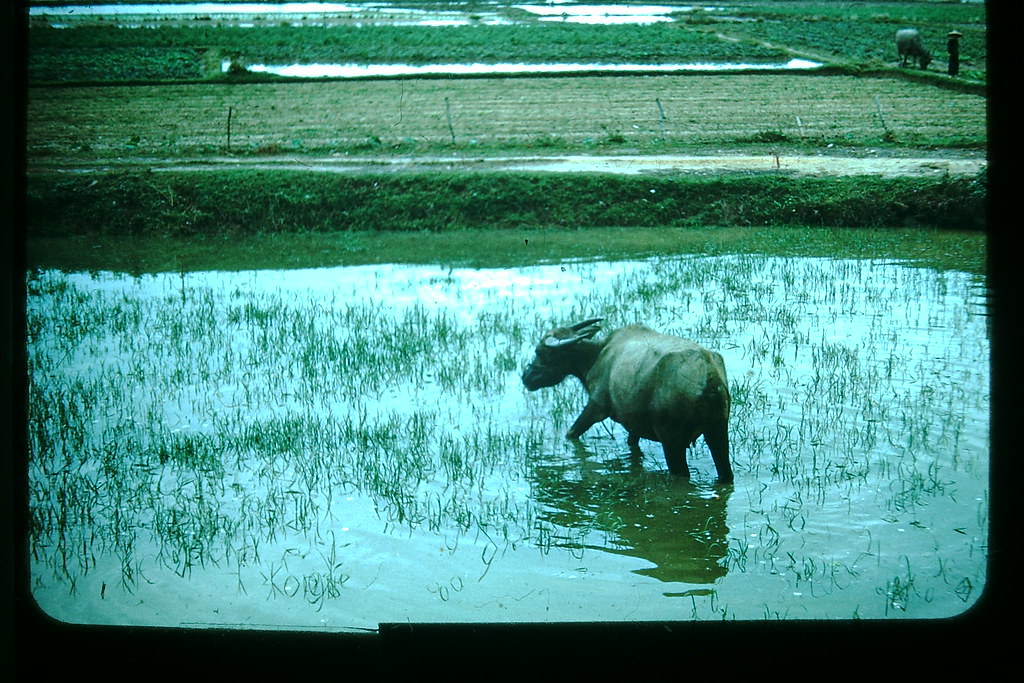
[{"x": 285, "y": 430}]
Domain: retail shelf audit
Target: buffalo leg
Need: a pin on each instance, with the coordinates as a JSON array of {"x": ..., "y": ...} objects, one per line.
[
  {"x": 633, "y": 441},
  {"x": 591, "y": 415},
  {"x": 718, "y": 443},
  {"x": 675, "y": 458},
  {"x": 636, "y": 456}
]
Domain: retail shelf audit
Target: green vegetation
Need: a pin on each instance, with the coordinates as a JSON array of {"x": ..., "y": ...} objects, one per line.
[
  {"x": 868, "y": 44},
  {"x": 844, "y": 33},
  {"x": 859, "y": 35},
  {"x": 111, "y": 54},
  {"x": 240, "y": 220},
  {"x": 922, "y": 13},
  {"x": 235, "y": 203},
  {"x": 497, "y": 249}
]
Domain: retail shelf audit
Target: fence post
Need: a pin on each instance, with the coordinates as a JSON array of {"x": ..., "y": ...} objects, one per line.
[
  {"x": 230, "y": 112},
  {"x": 448, "y": 113},
  {"x": 878, "y": 108}
]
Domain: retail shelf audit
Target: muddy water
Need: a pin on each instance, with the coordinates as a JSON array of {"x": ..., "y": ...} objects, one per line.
[{"x": 337, "y": 448}]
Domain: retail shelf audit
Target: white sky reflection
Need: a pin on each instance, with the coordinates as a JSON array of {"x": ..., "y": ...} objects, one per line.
[{"x": 372, "y": 70}]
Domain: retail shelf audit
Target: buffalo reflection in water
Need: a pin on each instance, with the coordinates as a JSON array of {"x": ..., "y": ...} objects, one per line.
[{"x": 678, "y": 526}]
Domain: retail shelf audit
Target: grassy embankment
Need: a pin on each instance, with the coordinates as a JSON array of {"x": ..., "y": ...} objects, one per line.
[{"x": 174, "y": 221}]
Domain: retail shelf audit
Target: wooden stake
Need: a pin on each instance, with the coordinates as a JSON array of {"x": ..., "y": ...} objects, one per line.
[
  {"x": 448, "y": 112},
  {"x": 878, "y": 108},
  {"x": 230, "y": 112},
  {"x": 661, "y": 112}
]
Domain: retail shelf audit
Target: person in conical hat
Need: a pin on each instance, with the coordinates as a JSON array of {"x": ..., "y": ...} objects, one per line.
[{"x": 953, "y": 48}]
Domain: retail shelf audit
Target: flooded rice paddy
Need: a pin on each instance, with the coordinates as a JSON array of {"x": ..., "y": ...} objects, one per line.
[{"x": 339, "y": 448}]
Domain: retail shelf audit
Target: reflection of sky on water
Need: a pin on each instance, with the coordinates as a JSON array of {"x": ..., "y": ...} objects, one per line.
[
  {"x": 381, "y": 11},
  {"x": 467, "y": 290},
  {"x": 609, "y": 14},
  {"x": 462, "y": 292},
  {"x": 367, "y": 70},
  {"x": 209, "y": 8},
  {"x": 301, "y": 13},
  {"x": 547, "y": 10}
]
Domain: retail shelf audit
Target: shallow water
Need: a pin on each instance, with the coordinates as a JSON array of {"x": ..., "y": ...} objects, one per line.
[
  {"x": 246, "y": 14},
  {"x": 588, "y": 13},
  {"x": 604, "y": 14},
  {"x": 369, "y": 12},
  {"x": 337, "y": 448},
  {"x": 376, "y": 70},
  {"x": 199, "y": 8}
]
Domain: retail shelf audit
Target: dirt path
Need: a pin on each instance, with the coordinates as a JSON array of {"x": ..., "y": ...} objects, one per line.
[{"x": 818, "y": 165}]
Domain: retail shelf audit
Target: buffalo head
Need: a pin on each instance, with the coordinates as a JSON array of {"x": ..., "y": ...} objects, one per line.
[{"x": 557, "y": 355}]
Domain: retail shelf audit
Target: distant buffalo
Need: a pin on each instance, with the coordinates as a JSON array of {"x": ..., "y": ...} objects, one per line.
[
  {"x": 908, "y": 45},
  {"x": 658, "y": 387}
]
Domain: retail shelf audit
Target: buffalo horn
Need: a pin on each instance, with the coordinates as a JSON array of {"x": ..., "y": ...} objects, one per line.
[
  {"x": 586, "y": 323},
  {"x": 584, "y": 330}
]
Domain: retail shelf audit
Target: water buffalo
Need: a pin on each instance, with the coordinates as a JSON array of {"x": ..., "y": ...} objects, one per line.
[
  {"x": 908, "y": 44},
  {"x": 658, "y": 387}
]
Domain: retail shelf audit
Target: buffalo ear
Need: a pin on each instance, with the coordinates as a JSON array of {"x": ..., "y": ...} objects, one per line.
[{"x": 551, "y": 341}]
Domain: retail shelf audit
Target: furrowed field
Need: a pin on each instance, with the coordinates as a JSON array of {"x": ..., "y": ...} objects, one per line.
[
  {"x": 274, "y": 328},
  {"x": 488, "y": 116}
]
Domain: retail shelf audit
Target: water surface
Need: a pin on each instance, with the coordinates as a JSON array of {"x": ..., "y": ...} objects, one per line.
[
  {"x": 377, "y": 70},
  {"x": 335, "y": 448},
  {"x": 367, "y": 12},
  {"x": 246, "y": 13}
]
